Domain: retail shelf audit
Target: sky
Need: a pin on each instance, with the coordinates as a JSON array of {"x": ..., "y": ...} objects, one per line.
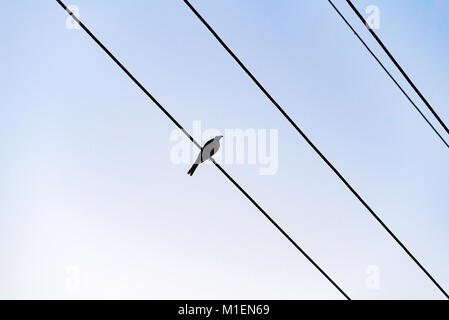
[{"x": 93, "y": 207}]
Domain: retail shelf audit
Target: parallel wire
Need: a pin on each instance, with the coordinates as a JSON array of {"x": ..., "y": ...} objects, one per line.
[
  {"x": 199, "y": 146},
  {"x": 388, "y": 73},
  {"x": 398, "y": 66},
  {"x": 274, "y": 102}
]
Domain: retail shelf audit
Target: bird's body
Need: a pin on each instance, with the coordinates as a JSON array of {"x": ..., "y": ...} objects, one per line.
[{"x": 207, "y": 151}]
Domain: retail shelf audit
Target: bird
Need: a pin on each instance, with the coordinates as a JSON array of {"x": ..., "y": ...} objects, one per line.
[{"x": 207, "y": 151}]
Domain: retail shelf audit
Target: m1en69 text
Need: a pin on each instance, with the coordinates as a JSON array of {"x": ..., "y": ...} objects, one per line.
[{"x": 245, "y": 309}]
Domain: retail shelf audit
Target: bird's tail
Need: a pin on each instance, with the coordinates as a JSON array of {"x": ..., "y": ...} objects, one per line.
[{"x": 192, "y": 169}]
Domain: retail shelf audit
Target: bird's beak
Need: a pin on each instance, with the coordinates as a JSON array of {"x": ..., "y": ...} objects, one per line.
[{"x": 219, "y": 137}]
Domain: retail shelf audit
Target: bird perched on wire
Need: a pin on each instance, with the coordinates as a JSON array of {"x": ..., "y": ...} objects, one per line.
[{"x": 207, "y": 151}]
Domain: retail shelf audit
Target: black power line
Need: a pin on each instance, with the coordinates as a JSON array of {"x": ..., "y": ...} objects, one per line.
[
  {"x": 398, "y": 66},
  {"x": 388, "y": 73},
  {"x": 274, "y": 102},
  {"x": 199, "y": 146}
]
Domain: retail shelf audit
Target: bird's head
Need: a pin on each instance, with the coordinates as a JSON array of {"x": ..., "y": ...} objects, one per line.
[{"x": 218, "y": 138}]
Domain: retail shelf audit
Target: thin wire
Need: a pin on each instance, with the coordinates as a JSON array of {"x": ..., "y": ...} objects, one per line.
[
  {"x": 274, "y": 102},
  {"x": 199, "y": 146},
  {"x": 389, "y": 74},
  {"x": 398, "y": 66}
]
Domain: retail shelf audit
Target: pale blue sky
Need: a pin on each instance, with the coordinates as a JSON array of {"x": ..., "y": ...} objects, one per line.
[{"x": 86, "y": 175}]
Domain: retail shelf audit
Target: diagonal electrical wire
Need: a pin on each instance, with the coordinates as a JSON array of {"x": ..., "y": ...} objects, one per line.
[
  {"x": 398, "y": 66},
  {"x": 388, "y": 73},
  {"x": 199, "y": 146},
  {"x": 312, "y": 145}
]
